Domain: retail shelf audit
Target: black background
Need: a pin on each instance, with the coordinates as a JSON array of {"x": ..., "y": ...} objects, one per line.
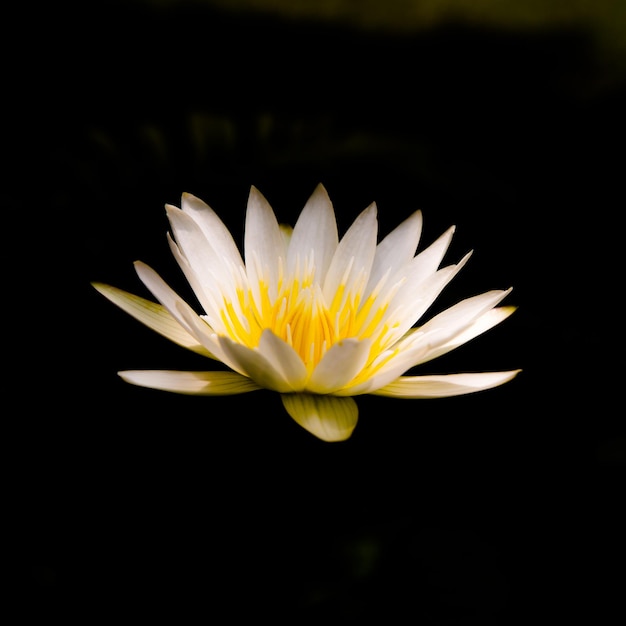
[{"x": 496, "y": 508}]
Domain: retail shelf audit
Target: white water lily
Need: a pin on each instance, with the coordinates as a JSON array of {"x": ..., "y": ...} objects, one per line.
[{"x": 316, "y": 318}]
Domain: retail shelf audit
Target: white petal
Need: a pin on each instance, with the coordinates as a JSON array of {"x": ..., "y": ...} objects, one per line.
[
  {"x": 182, "y": 312},
  {"x": 215, "y": 231},
  {"x": 418, "y": 346},
  {"x": 264, "y": 243},
  {"x": 422, "y": 387},
  {"x": 315, "y": 231},
  {"x": 483, "y": 323},
  {"x": 254, "y": 364},
  {"x": 428, "y": 260},
  {"x": 342, "y": 362},
  {"x": 209, "y": 296},
  {"x": 454, "y": 319},
  {"x": 194, "y": 245},
  {"x": 396, "y": 249},
  {"x": 174, "y": 304},
  {"x": 153, "y": 315},
  {"x": 416, "y": 296},
  {"x": 327, "y": 417},
  {"x": 284, "y": 359},
  {"x": 354, "y": 255},
  {"x": 192, "y": 383},
  {"x": 389, "y": 372}
]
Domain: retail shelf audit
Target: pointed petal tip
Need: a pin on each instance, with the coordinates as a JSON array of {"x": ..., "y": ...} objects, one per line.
[
  {"x": 125, "y": 376},
  {"x": 466, "y": 258},
  {"x": 171, "y": 209},
  {"x": 255, "y": 196},
  {"x": 505, "y": 293},
  {"x": 102, "y": 288},
  {"x": 320, "y": 190}
]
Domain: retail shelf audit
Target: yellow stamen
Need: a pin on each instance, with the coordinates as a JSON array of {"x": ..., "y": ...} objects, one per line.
[{"x": 299, "y": 314}]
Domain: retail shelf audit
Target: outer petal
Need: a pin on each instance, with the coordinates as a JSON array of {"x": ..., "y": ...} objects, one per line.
[
  {"x": 209, "y": 299},
  {"x": 264, "y": 243},
  {"x": 195, "y": 247},
  {"x": 153, "y": 315},
  {"x": 416, "y": 296},
  {"x": 315, "y": 231},
  {"x": 339, "y": 365},
  {"x": 429, "y": 259},
  {"x": 216, "y": 233},
  {"x": 482, "y": 324},
  {"x": 422, "y": 387},
  {"x": 191, "y": 383},
  {"x": 174, "y": 304},
  {"x": 183, "y": 313},
  {"x": 416, "y": 348},
  {"x": 327, "y": 417},
  {"x": 396, "y": 249},
  {"x": 446, "y": 325}
]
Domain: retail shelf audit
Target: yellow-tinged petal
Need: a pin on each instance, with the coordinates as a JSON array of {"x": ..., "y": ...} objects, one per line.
[
  {"x": 445, "y": 385},
  {"x": 327, "y": 417},
  {"x": 258, "y": 367},
  {"x": 191, "y": 383},
  {"x": 182, "y": 312},
  {"x": 339, "y": 365},
  {"x": 153, "y": 315},
  {"x": 284, "y": 359}
]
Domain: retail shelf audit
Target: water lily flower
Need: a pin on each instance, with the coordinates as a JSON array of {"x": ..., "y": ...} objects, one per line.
[{"x": 317, "y": 318}]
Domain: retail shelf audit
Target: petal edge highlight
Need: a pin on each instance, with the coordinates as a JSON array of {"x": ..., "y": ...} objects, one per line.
[
  {"x": 445, "y": 385},
  {"x": 191, "y": 383}
]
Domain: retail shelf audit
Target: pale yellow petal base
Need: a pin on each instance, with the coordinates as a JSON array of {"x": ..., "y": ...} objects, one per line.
[{"x": 327, "y": 417}]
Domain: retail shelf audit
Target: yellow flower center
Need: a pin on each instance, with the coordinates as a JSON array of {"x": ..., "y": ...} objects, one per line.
[{"x": 299, "y": 314}]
